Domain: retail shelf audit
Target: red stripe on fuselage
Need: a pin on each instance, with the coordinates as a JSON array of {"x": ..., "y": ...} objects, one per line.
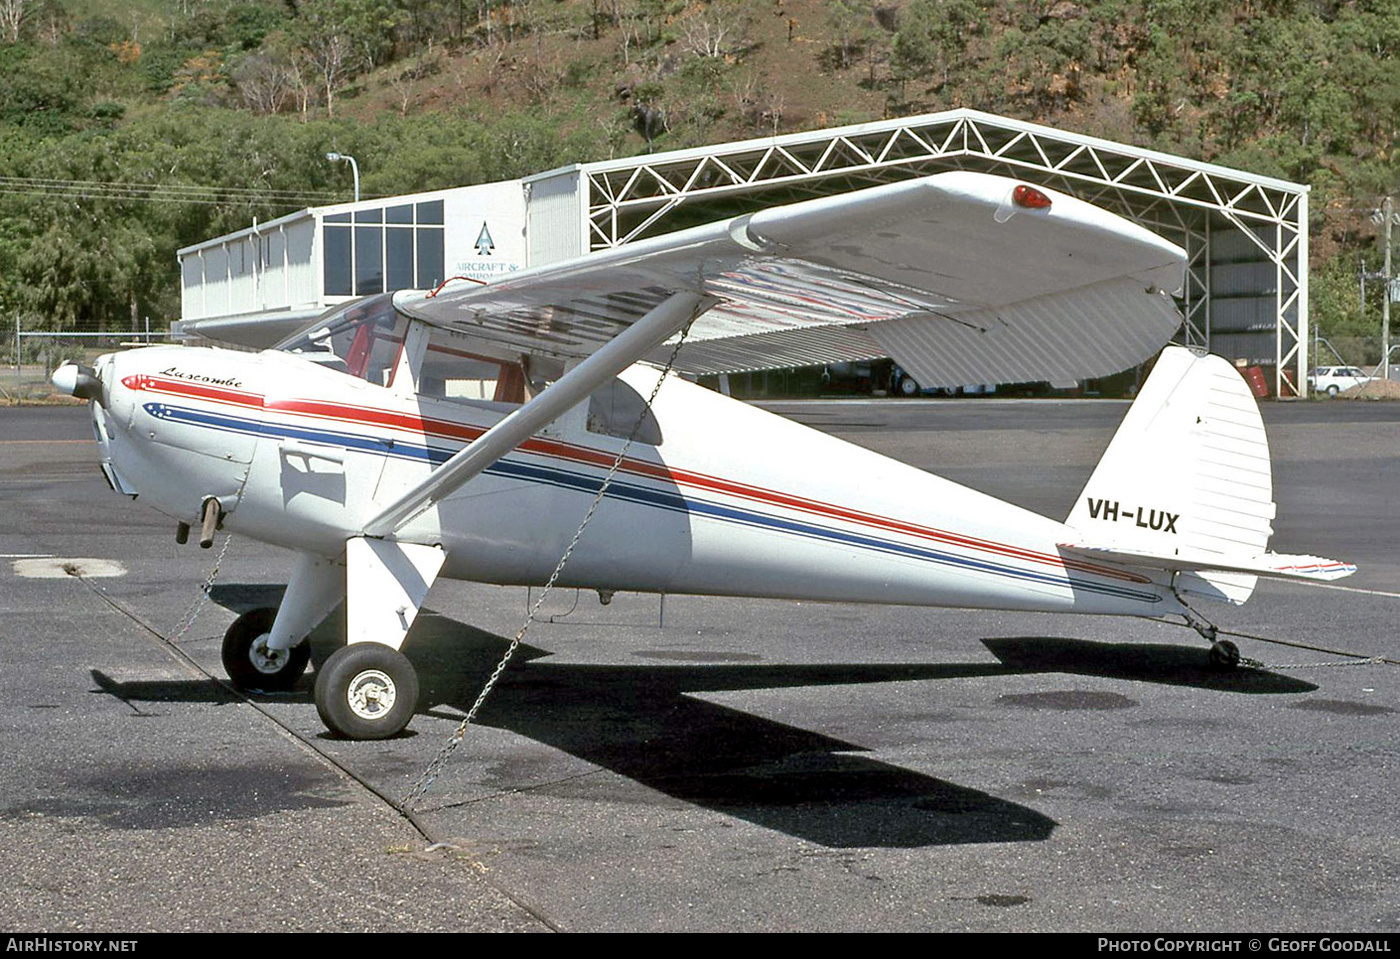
[
  {"x": 465, "y": 433},
  {"x": 192, "y": 389}
]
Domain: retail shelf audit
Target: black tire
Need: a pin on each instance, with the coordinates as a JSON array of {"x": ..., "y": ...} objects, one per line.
[
  {"x": 366, "y": 691},
  {"x": 1224, "y": 654},
  {"x": 908, "y": 386},
  {"x": 249, "y": 663},
  {"x": 1333, "y": 390}
]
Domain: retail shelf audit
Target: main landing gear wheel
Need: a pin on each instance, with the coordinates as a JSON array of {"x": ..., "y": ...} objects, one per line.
[
  {"x": 366, "y": 691},
  {"x": 1224, "y": 654},
  {"x": 251, "y": 665}
]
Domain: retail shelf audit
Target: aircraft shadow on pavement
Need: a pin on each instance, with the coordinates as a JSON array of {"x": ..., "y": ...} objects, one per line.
[
  {"x": 133, "y": 691},
  {"x": 242, "y": 597},
  {"x": 645, "y": 723},
  {"x": 642, "y": 722},
  {"x": 1162, "y": 663}
]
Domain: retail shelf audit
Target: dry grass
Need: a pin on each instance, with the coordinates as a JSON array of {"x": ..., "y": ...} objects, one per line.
[{"x": 1374, "y": 390}]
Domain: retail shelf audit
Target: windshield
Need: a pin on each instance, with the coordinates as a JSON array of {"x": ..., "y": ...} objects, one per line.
[{"x": 362, "y": 338}]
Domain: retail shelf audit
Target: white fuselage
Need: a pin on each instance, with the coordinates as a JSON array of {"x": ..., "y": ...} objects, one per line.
[{"x": 733, "y": 501}]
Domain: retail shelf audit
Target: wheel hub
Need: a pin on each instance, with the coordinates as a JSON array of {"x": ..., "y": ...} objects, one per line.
[
  {"x": 371, "y": 694},
  {"x": 265, "y": 659}
]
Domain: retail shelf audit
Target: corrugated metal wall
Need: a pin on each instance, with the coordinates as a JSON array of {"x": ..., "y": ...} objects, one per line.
[
  {"x": 555, "y": 227},
  {"x": 303, "y": 279},
  {"x": 1243, "y": 297},
  {"x": 268, "y": 270}
]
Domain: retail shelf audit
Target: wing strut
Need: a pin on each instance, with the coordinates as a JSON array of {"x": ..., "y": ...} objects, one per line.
[{"x": 669, "y": 316}]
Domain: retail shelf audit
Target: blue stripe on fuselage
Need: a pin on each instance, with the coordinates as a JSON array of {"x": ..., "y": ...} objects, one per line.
[{"x": 641, "y": 495}]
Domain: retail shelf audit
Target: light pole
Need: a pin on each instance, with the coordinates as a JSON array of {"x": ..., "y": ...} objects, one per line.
[
  {"x": 1385, "y": 218},
  {"x": 355, "y": 168}
]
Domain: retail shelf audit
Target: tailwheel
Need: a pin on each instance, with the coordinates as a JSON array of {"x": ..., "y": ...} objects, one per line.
[
  {"x": 366, "y": 691},
  {"x": 1224, "y": 654},
  {"x": 249, "y": 662}
]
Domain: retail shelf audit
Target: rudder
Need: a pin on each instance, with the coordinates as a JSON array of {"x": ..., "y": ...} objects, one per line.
[{"x": 1186, "y": 478}]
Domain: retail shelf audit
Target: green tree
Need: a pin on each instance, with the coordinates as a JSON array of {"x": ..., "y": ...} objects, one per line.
[{"x": 853, "y": 26}]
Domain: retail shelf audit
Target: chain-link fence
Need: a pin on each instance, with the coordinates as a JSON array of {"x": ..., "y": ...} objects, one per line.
[{"x": 31, "y": 356}]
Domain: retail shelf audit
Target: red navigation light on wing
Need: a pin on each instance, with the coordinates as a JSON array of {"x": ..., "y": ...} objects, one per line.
[{"x": 1030, "y": 198}]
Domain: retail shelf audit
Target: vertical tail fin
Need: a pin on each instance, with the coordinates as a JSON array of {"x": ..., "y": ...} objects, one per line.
[{"x": 1187, "y": 478}]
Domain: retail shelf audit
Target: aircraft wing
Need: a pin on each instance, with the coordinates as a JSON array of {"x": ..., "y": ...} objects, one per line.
[
  {"x": 947, "y": 274},
  {"x": 961, "y": 277}
]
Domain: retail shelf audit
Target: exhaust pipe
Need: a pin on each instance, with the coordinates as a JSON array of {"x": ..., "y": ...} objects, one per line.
[{"x": 209, "y": 523}]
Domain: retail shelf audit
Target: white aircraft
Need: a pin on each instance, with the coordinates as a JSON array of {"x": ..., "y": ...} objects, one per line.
[{"x": 346, "y": 443}]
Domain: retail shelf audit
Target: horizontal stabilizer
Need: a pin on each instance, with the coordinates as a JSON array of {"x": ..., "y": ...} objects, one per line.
[{"x": 1281, "y": 565}]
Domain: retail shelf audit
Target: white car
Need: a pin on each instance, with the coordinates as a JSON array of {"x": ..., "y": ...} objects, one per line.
[{"x": 1333, "y": 379}]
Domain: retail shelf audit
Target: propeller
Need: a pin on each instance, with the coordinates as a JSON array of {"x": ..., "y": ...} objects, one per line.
[{"x": 80, "y": 381}]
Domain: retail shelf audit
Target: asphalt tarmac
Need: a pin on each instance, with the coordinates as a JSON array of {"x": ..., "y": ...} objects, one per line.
[{"x": 713, "y": 764}]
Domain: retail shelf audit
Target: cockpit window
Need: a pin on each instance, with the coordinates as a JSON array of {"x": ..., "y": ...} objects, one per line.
[
  {"x": 362, "y": 338},
  {"x": 448, "y": 370}
]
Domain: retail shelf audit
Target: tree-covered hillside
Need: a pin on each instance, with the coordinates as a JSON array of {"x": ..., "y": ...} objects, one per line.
[{"x": 129, "y": 128}]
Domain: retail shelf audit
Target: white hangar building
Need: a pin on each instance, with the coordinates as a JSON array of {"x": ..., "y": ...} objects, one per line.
[{"x": 1246, "y": 294}]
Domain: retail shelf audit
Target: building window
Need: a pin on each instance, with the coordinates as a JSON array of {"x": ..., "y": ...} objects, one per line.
[
  {"x": 398, "y": 257},
  {"x": 430, "y": 258},
  {"x": 339, "y": 255},
  {"x": 369, "y": 260},
  {"x": 383, "y": 249}
]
